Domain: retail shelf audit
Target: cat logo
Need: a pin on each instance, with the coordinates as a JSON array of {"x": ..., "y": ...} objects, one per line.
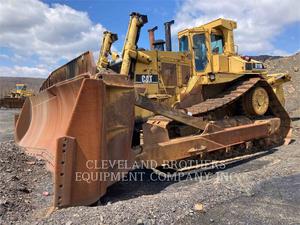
[{"x": 146, "y": 78}]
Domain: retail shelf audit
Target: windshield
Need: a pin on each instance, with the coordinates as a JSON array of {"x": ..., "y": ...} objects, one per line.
[
  {"x": 183, "y": 44},
  {"x": 216, "y": 44},
  {"x": 21, "y": 87},
  {"x": 200, "y": 52}
]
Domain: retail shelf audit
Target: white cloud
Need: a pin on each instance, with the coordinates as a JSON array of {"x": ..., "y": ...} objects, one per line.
[
  {"x": 3, "y": 56},
  {"x": 23, "y": 71},
  {"x": 259, "y": 22},
  {"x": 46, "y": 34}
]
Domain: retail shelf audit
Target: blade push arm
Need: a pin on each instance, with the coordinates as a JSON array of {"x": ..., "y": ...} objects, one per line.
[{"x": 108, "y": 39}]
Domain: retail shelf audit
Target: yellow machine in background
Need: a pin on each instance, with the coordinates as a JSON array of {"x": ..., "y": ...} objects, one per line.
[
  {"x": 16, "y": 97},
  {"x": 20, "y": 91}
]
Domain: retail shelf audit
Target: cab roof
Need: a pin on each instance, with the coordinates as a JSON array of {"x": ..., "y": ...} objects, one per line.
[{"x": 215, "y": 24}]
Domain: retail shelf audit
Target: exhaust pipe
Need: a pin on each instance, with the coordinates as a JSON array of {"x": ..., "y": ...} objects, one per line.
[
  {"x": 151, "y": 37},
  {"x": 168, "y": 35}
]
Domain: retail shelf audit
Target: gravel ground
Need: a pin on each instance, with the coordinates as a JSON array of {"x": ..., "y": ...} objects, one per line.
[
  {"x": 6, "y": 123},
  {"x": 23, "y": 180},
  {"x": 261, "y": 191}
]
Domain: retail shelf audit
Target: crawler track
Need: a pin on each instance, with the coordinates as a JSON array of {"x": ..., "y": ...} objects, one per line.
[{"x": 224, "y": 100}]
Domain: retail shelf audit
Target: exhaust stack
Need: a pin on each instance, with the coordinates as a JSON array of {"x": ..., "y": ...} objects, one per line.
[
  {"x": 151, "y": 37},
  {"x": 168, "y": 35}
]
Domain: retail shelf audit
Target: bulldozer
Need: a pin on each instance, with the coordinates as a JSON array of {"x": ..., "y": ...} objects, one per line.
[
  {"x": 203, "y": 102},
  {"x": 16, "y": 97}
]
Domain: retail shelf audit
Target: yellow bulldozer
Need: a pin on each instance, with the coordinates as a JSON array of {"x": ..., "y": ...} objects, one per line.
[
  {"x": 203, "y": 102},
  {"x": 16, "y": 97}
]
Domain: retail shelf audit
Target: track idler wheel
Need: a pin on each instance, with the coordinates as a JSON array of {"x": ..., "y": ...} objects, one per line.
[{"x": 256, "y": 102}]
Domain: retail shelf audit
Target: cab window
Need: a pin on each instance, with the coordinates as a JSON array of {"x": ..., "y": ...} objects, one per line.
[
  {"x": 200, "y": 52},
  {"x": 183, "y": 44},
  {"x": 21, "y": 87},
  {"x": 217, "y": 44}
]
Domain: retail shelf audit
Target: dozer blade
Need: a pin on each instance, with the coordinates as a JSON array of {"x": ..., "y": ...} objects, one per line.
[{"x": 75, "y": 125}]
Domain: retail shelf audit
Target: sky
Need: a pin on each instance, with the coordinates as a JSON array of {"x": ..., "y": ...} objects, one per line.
[{"x": 38, "y": 36}]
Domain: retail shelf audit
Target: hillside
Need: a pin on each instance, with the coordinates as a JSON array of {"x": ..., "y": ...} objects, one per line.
[
  {"x": 265, "y": 57},
  {"x": 8, "y": 83},
  {"x": 290, "y": 64}
]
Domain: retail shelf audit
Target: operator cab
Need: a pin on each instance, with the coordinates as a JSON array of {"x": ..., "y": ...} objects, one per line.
[
  {"x": 210, "y": 45},
  {"x": 195, "y": 42}
]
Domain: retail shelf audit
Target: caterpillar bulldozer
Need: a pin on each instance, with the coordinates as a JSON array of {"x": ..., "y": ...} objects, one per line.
[
  {"x": 203, "y": 102},
  {"x": 16, "y": 97}
]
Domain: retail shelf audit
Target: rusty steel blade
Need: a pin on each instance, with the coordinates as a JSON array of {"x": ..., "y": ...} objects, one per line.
[{"x": 75, "y": 122}]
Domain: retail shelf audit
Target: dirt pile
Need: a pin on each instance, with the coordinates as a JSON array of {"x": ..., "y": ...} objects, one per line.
[{"x": 291, "y": 65}]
